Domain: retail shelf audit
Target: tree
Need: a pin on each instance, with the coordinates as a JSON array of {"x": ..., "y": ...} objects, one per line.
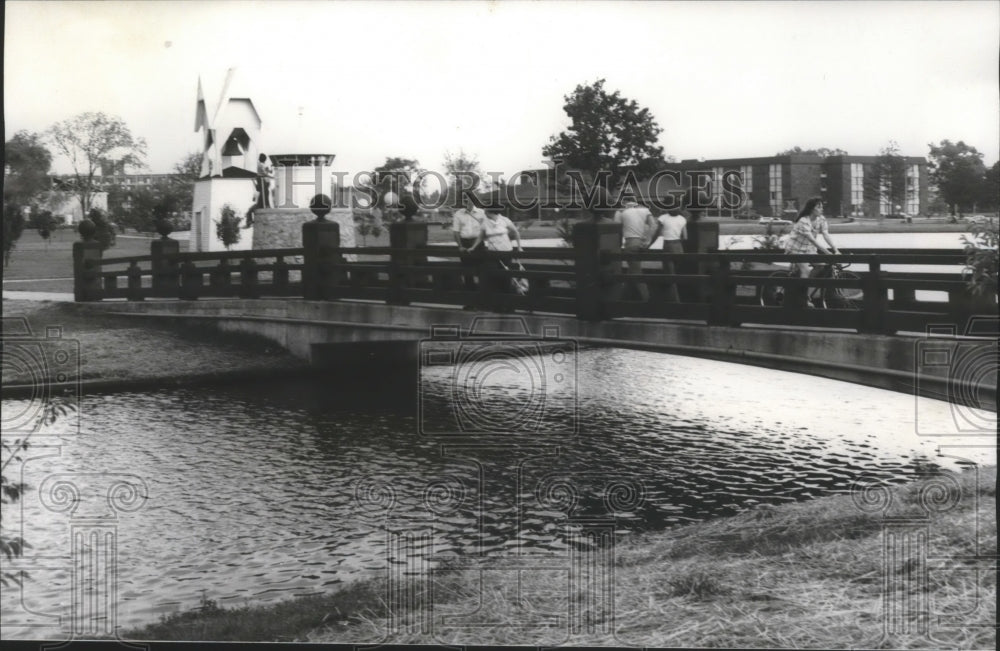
[
  {"x": 26, "y": 168},
  {"x": 959, "y": 173},
  {"x": 44, "y": 222},
  {"x": 89, "y": 139},
  {"x": 607, "y": 132},
  {"x": 227, "y": 228},
  {"x": 398, "y": 176},
  {"x": 13, "y": 226},
  {"x": 992, "y": 186},
  {"x": 885, "y": 181},
  {"x": 822, "y": 151},
  {"x": 397, "y": 171},
  {"x": 463, "y": 170}
]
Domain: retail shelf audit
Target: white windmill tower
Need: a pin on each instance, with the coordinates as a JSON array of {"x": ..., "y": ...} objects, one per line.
[{"x": 230, "y": 141}]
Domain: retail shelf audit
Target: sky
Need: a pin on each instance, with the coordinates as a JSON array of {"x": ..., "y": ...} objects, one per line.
[{"x": 368, "y": 80}]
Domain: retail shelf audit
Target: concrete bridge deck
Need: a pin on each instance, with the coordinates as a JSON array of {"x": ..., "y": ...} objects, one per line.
[{"x": 942, "y": 367}]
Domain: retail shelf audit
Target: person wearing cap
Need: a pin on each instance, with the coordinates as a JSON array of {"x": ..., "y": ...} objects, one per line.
[{"x": 637, "y": 222}]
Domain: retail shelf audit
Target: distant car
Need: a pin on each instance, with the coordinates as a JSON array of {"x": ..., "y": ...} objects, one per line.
[
  {"x": 775, "y": 221},
  {"x": 978, "y": 219}
]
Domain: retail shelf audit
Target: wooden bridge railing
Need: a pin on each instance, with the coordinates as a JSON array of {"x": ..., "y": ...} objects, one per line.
[{"x": 587, "y": 280}]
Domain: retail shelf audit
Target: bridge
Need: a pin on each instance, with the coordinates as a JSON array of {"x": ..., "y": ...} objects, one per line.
[{"x": 913, "y": 331}]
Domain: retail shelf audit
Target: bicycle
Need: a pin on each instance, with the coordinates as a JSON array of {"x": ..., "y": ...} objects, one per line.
[{"x": 772, "y": 292}]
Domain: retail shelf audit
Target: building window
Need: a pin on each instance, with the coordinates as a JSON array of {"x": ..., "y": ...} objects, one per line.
[
  {"x": 777, "y": 201},
  {"x": 857, "y": 188}
]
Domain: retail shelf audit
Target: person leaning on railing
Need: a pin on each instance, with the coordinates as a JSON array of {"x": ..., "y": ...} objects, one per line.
[
  {"x": 802, "y": 240},
  {"x": 673, "y": 226},
  {"x": 466, "y": 225},
  {"x": 637, "y": 222},
  {"x": 495, "y": 234}
]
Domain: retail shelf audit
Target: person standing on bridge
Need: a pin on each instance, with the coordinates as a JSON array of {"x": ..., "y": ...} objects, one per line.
[
  {"x": 637, "y": 222},
  {"x": 495, "y": 234},
  {"x": 466, "y": 224},
  {"x": 802, "y": 240},
  {"x": 673, "y": 226}
]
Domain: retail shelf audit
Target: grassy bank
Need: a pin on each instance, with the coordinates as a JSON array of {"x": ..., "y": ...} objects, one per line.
[
  {"x": 125, "y": 349},
  {"x": 801, "y": 575}
]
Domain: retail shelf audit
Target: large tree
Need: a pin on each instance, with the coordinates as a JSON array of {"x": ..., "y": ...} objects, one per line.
[
  {"x": 397, "y": 170},
  {"x": 885, "y": 180},
  {"x": 959, "y": 173},
  {"x": 607, "y": 132},
  {"x": 89, "y": 139},
  {"x": 992, "y": 186},
  {"x": 463, "y": 170},
  {"x": 26, "y": 168}
]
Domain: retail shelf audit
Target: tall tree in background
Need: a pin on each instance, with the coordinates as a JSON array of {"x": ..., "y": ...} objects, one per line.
[
  {"x": 26, "y": 182},
  {"x": 397, "y": 170},
  {"x": 607, "y": 132},
  {"x": 90, "y": 138},
  {"x": 463, "y": 170},
  {"x": 26, "y": 168},
  {"x": 959, "y": 173},
  {"x": 992, "y": 186},
  {"x": 885, "y": 181}
]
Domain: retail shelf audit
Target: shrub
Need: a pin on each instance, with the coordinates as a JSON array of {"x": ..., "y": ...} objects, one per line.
[
  {"x": 227, "y": 228},
  {"x": 981, "y": 257},
  {"x": 104, "y": 230}
]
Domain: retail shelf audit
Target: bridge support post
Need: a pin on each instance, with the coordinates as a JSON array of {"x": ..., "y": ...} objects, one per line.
[
  {"x": 723, "y": 299},
  {"x": 590, "y": 241},
  {"x": 317, "y": 238},
  {"x": 703, "y": 237},
  {"x": 87, "y": 284},
  {"x": 165, "y": 267},
  {"x": 410, "y": 236},
  {"x": 875, "y": 303}
]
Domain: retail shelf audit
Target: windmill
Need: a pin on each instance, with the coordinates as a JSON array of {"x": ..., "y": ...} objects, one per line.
[{"x": 230, "y": 137}]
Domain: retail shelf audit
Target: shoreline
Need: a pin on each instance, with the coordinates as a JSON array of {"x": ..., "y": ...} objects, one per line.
[
  {"x": 719, "y": 582},
  {"x": 805, "y": 574}
]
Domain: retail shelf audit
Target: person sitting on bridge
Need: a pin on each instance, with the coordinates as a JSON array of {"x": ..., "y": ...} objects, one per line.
[
  {"x": 637, "y": 222},
  {"x": 802, "y": 240}
]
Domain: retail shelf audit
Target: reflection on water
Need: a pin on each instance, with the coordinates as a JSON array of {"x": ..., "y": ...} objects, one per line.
[{"x": 265, "y": 491}]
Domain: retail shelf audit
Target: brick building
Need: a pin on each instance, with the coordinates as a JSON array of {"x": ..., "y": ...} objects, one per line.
[{"x": 776, "y": 184}]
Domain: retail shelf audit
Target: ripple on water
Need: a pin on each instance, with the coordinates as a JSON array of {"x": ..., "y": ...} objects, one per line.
[{"x": 264, "y": 491}]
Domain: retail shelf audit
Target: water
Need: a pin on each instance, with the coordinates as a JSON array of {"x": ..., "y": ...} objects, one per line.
[{"x": 257, "y": 493}]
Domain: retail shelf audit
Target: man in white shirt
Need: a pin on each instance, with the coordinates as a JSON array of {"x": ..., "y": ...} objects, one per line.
[
  {"x": 466, "y": 224},
  {"x": 637, "y": 222},
  {"x": 673, "y": 226}
]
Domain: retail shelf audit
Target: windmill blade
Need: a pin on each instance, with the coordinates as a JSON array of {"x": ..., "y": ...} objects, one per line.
[{"x": 201, "y": 110}]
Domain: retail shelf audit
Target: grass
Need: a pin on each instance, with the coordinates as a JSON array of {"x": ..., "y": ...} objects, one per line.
[
  {"x": 800, "y": 575},
  {"x": 122, "y": 348}
]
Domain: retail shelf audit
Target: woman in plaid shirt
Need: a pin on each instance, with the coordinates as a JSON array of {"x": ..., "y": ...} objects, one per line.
[{"x": 803, "y": 240}]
